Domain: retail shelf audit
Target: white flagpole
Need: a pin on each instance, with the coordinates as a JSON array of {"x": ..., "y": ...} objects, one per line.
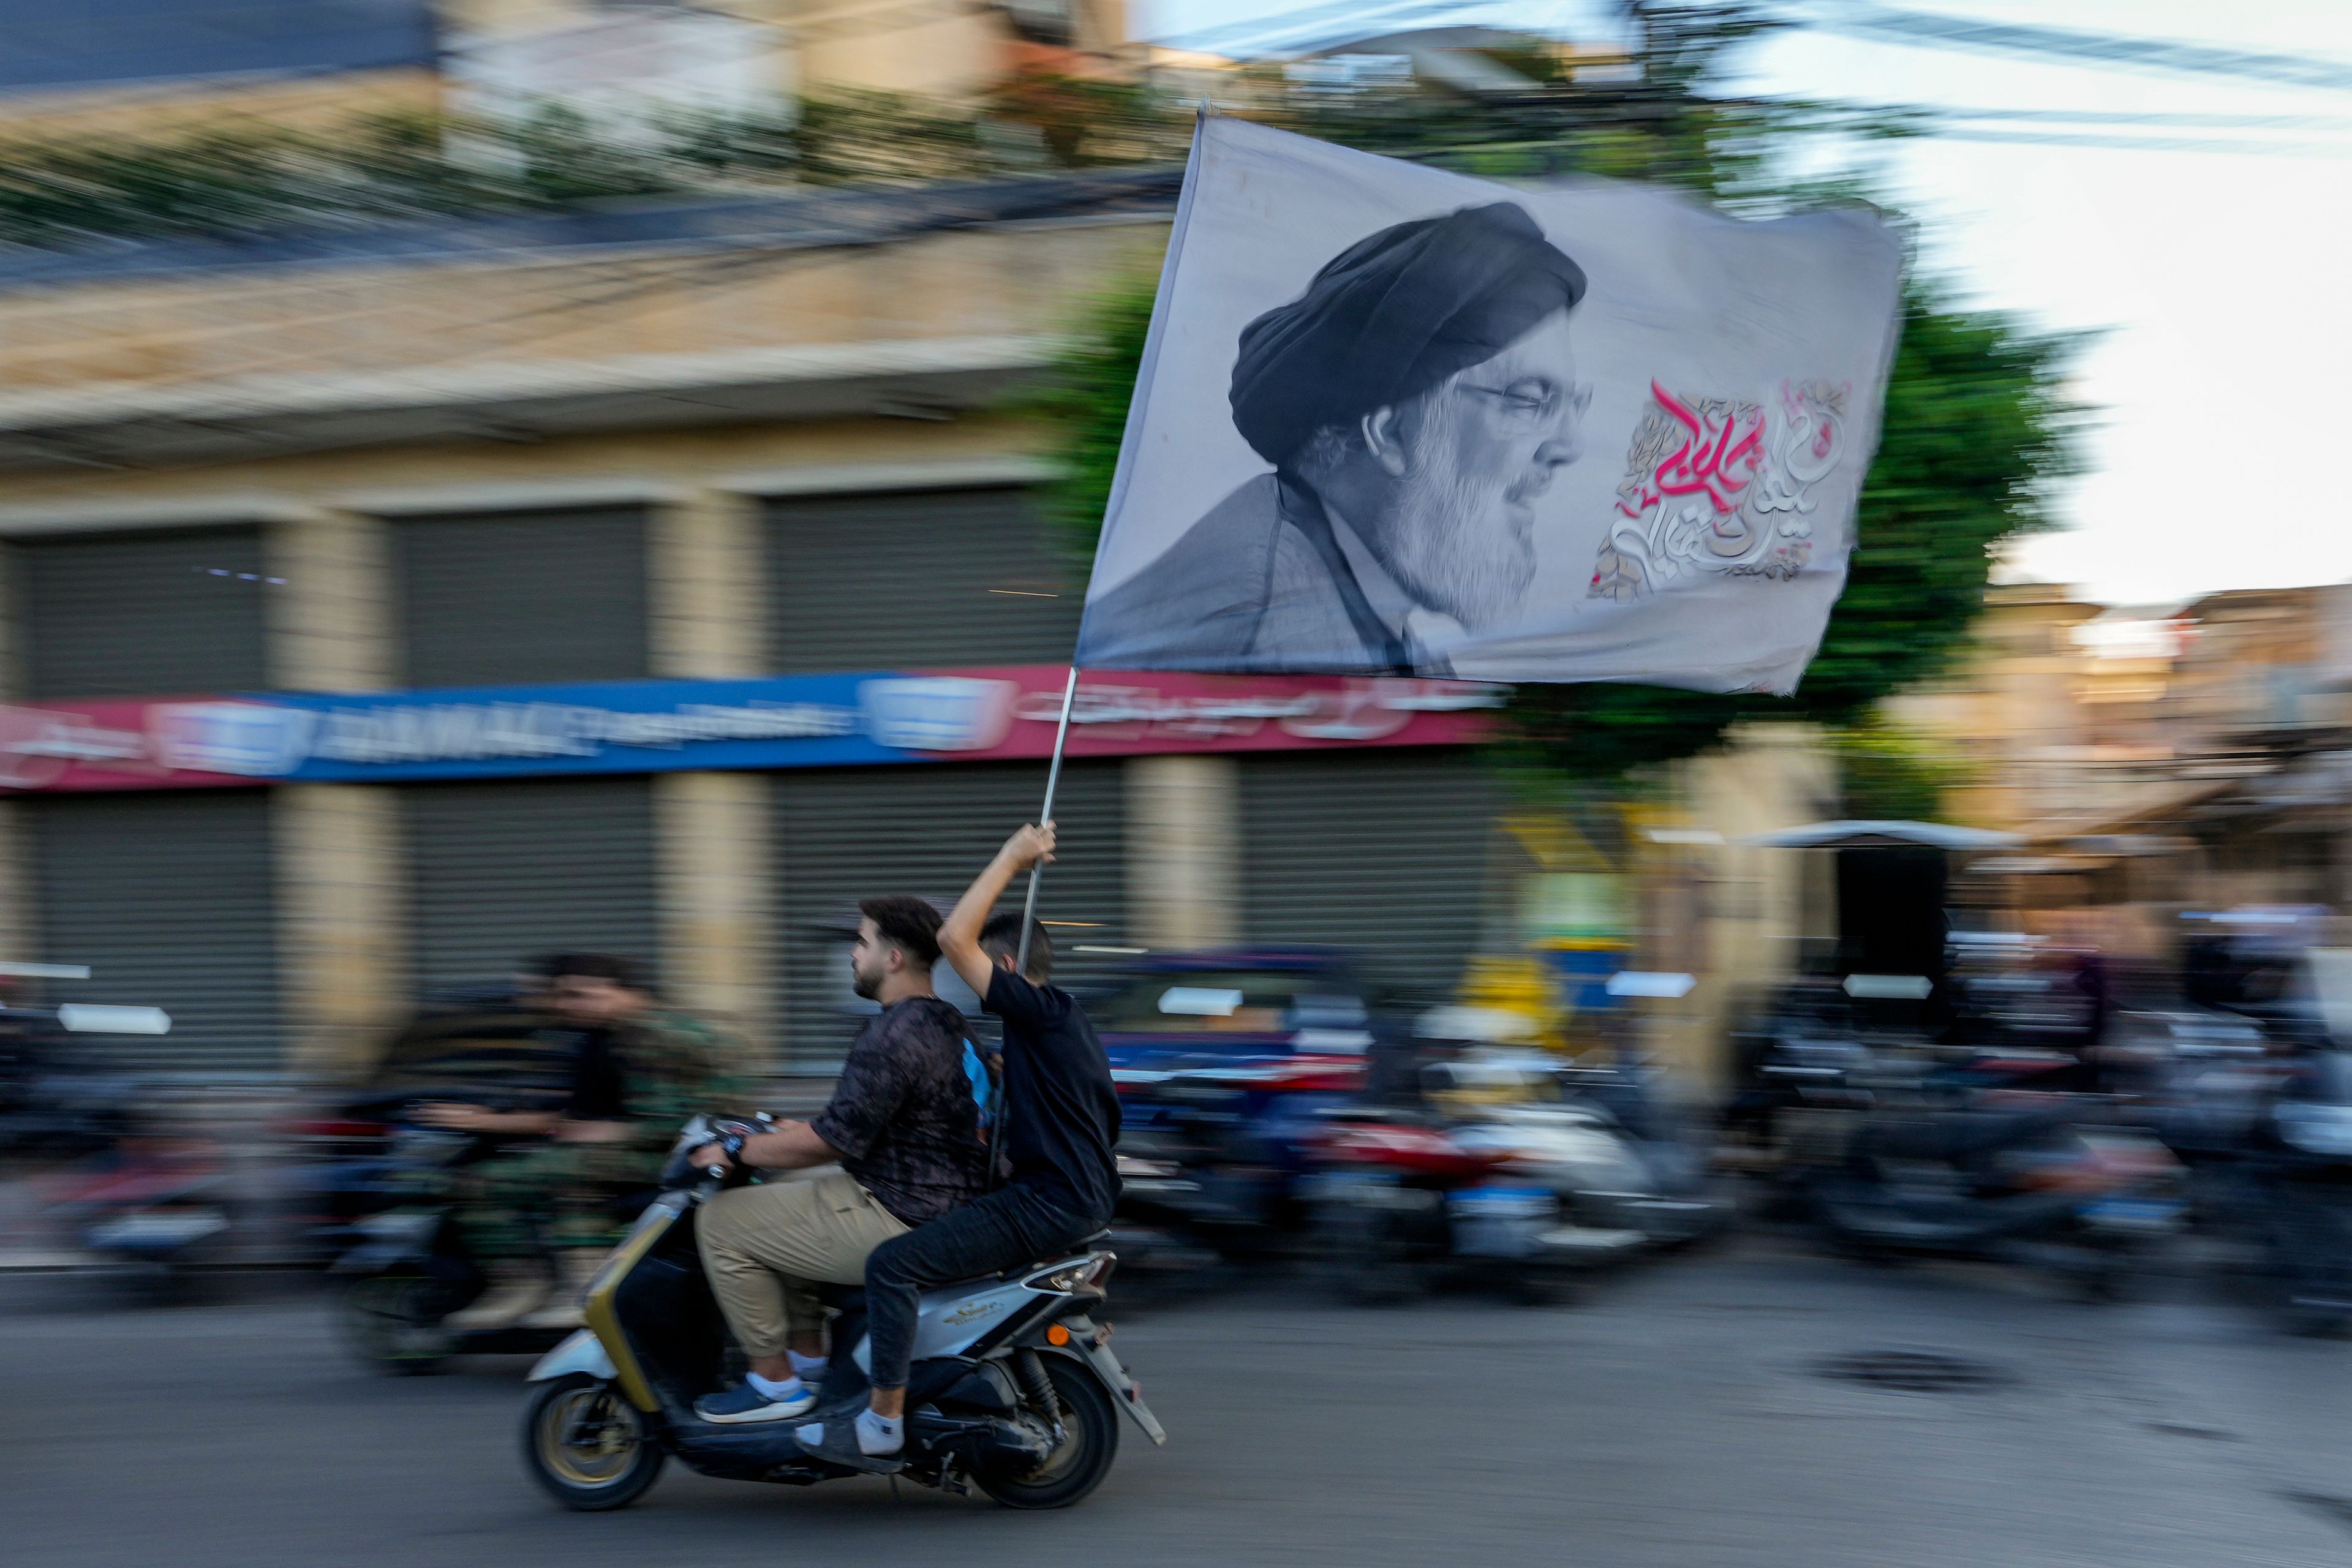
[
  {"x": 1118, "y": 480},
  {"x": 1046, "y": 815}
]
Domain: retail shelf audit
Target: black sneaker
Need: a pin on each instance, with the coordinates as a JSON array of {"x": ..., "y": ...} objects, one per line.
[
  {"x": 834, "y": 1439},
  {"x": 744, "y": 1402}
]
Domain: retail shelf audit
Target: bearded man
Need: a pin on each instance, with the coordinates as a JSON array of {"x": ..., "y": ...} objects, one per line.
[
  {"x": 905, "y": 1127},
  {"x": 1414, "y": 402}
]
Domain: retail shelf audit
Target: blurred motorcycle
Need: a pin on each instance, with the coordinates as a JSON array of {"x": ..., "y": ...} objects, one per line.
[
  {"x": 153, "y": 1209},
  {"x": 2026, "y": 1186},
  {"x": 407, "y": 1266},
  {"x": 1211, "y": 1157},
  {"x": 2292, "y": 1193}
]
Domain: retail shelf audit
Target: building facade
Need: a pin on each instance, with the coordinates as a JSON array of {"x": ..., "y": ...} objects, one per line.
[{"x": 380, "y": 616}]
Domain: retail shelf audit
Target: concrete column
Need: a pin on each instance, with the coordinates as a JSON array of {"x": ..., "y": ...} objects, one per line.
[
  {"x": 709, "y": 618},
  {"x": 20, "y": 922},
  {"x": 12, "y": 635},
  {"x": 20, "y": 917},
  {"x": 341, "y": 923},
  {"x": 1184, "y": 851},
  {"x": 332, "y": 623},
  {"x": 718, "y": 946}
]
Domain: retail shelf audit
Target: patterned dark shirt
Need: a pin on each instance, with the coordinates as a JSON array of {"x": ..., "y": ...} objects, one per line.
[{"x": 902, "y": 1113}]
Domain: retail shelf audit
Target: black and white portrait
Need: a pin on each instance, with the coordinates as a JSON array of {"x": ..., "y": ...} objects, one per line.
[
  {"x": 1379, "y": 466},
  {"x": 1413, "y": 401}
]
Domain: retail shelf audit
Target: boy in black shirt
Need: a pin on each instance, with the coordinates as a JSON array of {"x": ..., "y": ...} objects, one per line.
[{"x": 1059, "y": 1121}]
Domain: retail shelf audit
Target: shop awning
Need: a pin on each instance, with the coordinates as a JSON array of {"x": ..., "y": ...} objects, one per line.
[{"x": 1883, "y": 835}]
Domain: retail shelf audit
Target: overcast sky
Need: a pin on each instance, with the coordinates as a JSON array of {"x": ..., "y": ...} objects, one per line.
[{"x": 2218, "y": 281}]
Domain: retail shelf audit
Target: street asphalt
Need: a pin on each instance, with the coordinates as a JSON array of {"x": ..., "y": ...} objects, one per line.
[{"x": 1678, "y": 1413}]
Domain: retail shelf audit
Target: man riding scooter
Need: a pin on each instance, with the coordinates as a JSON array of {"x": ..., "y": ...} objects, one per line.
[
  {"x": 905, "y": 1127},
  {"x": 642, "y": 1068},
  {"x": 1060, "y": 1120}
]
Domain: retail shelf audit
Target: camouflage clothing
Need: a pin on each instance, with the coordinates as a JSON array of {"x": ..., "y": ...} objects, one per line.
[{"x": 526, "y": 1201}]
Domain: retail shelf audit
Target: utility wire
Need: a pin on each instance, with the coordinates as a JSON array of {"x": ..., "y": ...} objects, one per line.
[{"x": 1862, "y": 18}]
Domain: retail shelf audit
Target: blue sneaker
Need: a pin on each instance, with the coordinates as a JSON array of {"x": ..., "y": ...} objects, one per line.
[{"x": 744, "y": 1402}]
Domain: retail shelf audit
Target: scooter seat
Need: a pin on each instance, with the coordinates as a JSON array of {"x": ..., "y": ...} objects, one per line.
[{"x": 843, "y": 1297}]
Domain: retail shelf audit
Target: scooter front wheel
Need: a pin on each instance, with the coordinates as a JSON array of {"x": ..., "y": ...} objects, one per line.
[{"x": 586, "y": 1445}]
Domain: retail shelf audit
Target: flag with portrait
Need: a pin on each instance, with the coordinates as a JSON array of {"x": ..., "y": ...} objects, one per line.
[{"x": 1395, "y": 420}]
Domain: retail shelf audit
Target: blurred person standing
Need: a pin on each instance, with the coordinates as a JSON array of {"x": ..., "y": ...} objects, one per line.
[{"x": 642, "y": 1070}]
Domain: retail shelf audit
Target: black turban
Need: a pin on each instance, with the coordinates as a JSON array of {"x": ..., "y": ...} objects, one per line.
[{"x": 1393, "y": 315}]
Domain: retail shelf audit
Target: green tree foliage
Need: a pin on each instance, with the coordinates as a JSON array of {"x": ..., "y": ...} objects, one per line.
[
  {"x": 1084, "y": 400},
  {"x": 1889, "y": 774}
]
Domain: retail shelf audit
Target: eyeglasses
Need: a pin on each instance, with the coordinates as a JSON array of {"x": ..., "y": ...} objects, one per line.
[{"x": 1533, "y": 403}]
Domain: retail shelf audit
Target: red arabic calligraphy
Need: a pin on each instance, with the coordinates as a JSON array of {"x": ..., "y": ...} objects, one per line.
[{"x": 1718, "y": 456}]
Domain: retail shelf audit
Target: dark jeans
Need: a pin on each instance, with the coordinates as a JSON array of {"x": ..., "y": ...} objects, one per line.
[{"x": 1009, "y": 1228}]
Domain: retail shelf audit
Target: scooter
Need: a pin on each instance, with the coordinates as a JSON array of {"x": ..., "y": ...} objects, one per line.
[
  {"x": 408, "y": 1270},
  {"x": 1403, "y": 1197},
  {"x": 1014, "y": 1388},
  {"x": 2027, "y": 1186}
]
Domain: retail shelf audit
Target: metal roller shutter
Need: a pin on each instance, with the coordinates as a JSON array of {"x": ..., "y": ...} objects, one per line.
[
  {"x": 137, "y": 615},
  {"x": 168, "y": 898},
  {"x": 506, "y": 870},
  {"x": 922, "y": 579},
  {"x": 847, "y": 834},
  {"x": 523, "y": 599},
  {"x": 1383, "y": 853}
]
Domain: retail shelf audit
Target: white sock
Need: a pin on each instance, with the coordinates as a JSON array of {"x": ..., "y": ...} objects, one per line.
[
  {"x": 788, "y": 1389},
  {"x": 807, "y": 1368},
  {"x": 880, "y": 1434}
]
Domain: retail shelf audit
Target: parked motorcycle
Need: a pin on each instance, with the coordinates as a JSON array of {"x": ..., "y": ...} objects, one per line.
[
  {"x": 2287, "y": 1190},
  {"x": 2026, "y": 1186},
  {"x": 1211, "y": 1157},
  {"x": 153, "y": 1209},
  {"x": 1405, "y": 1199},
  {"x": 1607, "y": 1144},
  {"x": 1014, "y": 1388}
]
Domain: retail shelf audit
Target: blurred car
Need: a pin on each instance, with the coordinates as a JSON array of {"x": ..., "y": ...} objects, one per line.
[
  {"x": 1203, "y": 1008},
  {"x": 1225, "y": 1064}
]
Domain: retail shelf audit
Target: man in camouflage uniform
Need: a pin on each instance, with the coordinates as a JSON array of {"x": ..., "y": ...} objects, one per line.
[{"x": 642, "y": 1069}]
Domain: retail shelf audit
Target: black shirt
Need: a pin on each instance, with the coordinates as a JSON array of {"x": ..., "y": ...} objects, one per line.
[
  {"x": 597, "y": 1091},
  {"x": 902, "y": 1112},
  {"x": 1061, "y": 1111}
]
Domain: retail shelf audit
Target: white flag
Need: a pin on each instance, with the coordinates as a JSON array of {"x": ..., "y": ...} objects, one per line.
[{"x": 1394, "y": 419}]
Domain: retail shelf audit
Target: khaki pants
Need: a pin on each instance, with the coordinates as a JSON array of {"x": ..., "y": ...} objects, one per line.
[{"x": 767, "y": 1247}]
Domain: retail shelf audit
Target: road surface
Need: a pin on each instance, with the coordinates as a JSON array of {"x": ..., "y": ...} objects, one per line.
[{"x": 1679, "y": 1414}]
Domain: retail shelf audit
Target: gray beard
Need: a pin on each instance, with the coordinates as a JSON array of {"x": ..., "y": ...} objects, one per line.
[{"x": 1448, "y": 548}]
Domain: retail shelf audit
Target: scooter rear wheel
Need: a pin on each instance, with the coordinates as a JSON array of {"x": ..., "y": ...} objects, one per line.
[
  {"x": 586, "y": 1445},
  {"x": 1080, "y": 1461}
]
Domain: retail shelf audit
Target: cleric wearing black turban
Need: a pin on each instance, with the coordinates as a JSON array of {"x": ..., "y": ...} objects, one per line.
[{"x": 1413, "y": 401}]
